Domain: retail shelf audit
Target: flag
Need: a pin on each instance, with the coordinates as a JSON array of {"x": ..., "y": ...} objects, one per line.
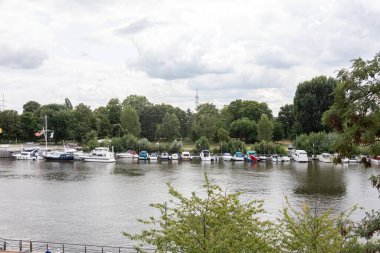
[
  {"x": 1, "y": 130},
  {"x": 51, "y": 135},
  {"x": 39, "y": 133}
]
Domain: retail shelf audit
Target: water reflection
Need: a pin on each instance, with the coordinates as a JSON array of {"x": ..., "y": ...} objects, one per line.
[{"x": 319, "y": 178}]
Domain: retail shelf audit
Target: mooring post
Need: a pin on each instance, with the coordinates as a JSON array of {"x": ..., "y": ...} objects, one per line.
[
  {"x": 5, "y": 245},
  {"x": 20, "y": 244},
  {"x": 63, "y": 248},
  {"x": 30, "y": 246},
  {"x": 85, "y": 249},
  {"x": 102, "y": 249}
]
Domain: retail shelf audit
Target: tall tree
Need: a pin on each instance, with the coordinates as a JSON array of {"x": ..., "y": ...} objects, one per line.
[
  {"x": 139, "y": 103},
  {"x": 278, "y": 132},
  {"x": 249, "y": 109},
  {"x": 129, "y": 120},
  {"x": 286, "y": 118},
  {"x": 169, "y": 128},
  {"x": 264, "y": 129},
  {"x": 102, "y": 124},
  {"x": 10, "y": 124},
  {"x": 206, "y": 121},
  {"x": 31, "y": 106},
  {"x": 355, "y": 113},
  {"x": 244, "y": 129},
  {"x": 113, "y": 111},
  {"x": 29, "y": 125},
  {"x": 311, "y": 100},
  {"x": 82, "y": 121}
]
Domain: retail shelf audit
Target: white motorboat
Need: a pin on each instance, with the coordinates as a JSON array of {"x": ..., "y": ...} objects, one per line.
[
  {"x": 185, "y": 156},
  {"x": 227, "y": 157},
  {"x": 300, "y": 156},
  {"x": 130, "y": 154},
  {"x": 238, "y": 157},
  {"x": 285, "y": 158},
  {"x": 164, "y": 156},
  {"x": 153, "y": 156},
  {"x": 276, "y": 158},
  {"x": 101, "y": 155},
  {"x": 205, "y": 155},
  {"x": 262, "y": 158},
  {"x": 174, "y": 156},
  {"x": 28, "y": 155},
  {"x": 325, "y": 158}
]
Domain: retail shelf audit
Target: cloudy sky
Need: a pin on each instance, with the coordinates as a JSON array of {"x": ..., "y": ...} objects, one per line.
[{"x": 91, "y": 51}]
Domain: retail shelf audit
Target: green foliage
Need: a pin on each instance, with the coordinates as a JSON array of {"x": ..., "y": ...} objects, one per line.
[
  {"x": 202, "y": 143},
  {"x": 169, "y": 128},
  {"x": 31, "y": 106},
  {"x": 311, "y": 100},
  {"x": 114, "y": 110},
  {"x": 234, "y": 145},
  {"x": 81, "y": 122},
  {"x": 129, "y": 120},
  {"x": 223, "y": 135},
  {"x": 139, "y": 103},
  {"x": 144, "y": 144},
  {"x": 92, "y": 140},
  {"x": 264, "y": 129},
  {"x": 269, "y": 148},
  {"x": 175, "y": 146},
  {"x": 217, "y": 223},
  {"x": 206, "y": 121},
  {"x": 278, "y": 131},
  {"x": 249, "y": 109},
  {"x": 10, "y": 123},
  {"x": 317, "y": 143},
  {"x": 244, "y": 129},
  {"x": 309, "y": 230},
  {"x": 287, "y": 118},
  {"x": 355, "y": 112}
]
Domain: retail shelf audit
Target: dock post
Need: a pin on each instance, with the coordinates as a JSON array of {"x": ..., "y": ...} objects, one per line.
[
  {"x": 102, "y": 249},
  {"x": 63, "y": 248},
  {"x": 30, "y": 246},
  {"x": 85, "y": 249},
  {"x": 20, "y": 245},
  {"x": 5, "y": 245}
]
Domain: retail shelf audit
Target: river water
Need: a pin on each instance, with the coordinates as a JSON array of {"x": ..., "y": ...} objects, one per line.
[{"x": 92, "y": 203}]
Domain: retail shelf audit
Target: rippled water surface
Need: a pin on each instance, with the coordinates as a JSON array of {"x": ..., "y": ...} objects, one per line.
[{"x": 92, "y": 203}]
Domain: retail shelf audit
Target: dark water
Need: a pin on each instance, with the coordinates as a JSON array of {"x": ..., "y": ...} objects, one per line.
[{"x": 90, "y": 203}]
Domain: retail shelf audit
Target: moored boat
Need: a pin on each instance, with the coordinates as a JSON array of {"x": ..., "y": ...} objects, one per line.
[
  {"x": 153, "y": 156},
  {"x": 238, "y": 157},
  {"x": 325, "y": 158},
  {"x": 164, "y": 156},
  {"x": 174, "y": 156},
  {"x": 227, "y": 157},
  {"x": 251, "y": 156},
  {"x": 185, "y": 156},
  {"x": 276, "y": 158},
  {"x": 28, "y": 155},
  {"x": 375, "y": 160},
  {"x": 101, "y": 155},
  {"x": 300, "y": 156},
  {"x": 143, "y": 155},
  {"x": 205, "y": 155},
  {"x": 129, "y": 154}
]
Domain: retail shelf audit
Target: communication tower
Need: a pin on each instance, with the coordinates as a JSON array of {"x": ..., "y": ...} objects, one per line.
[
  {"x": 2, "y": 104},
  {"x": 196, "y": 99}
]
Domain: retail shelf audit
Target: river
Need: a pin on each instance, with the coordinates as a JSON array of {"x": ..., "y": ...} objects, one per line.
[{"x": 90, "y": 203}]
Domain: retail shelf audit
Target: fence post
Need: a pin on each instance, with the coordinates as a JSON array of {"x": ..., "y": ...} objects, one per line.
[
  {"x": 119, "y": 249},
  {"x": 85, "y": 249},
  {"x": 5, "y": 245},
  {"x": 20, "y": 245},
  {"x": 102, "y": 249},
  {"x": 63, "y": 248},
  {"x": 47, "y": 246},
  {"x": 30, "y": 246}
]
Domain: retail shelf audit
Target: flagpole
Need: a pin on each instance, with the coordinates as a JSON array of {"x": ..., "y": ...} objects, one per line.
[{"x": 45, "y": 133}]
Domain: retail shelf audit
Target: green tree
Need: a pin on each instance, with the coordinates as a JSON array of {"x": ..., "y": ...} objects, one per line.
[
  {"x": 310, "y": 230},
  {"x": 311, "y": 100},
  {"x": 101, "y": 122},
  {"x": 264, "y": 129},
  {"x": 10, "y": 123},
  {"x": 202, "y": 143},
  {"x": 29, "y": 125},
  {"x": 286, "y": 117},
  {"x": 244, "y": 129},
  {"x": 206, "y": 121},
  {"x": 129, "y": 120},
  {"x": 355, "y": 113},
  {"x": 113, "y": 111},
  {"x": 249, "y": 109},
  {"x": 223, "y": 135},
  {"x": 169, "y": 128},
  {"x": 31, "y": 106},
  {"x": 139, "y": 103},
  {"x": 220, "y": 222},
  {"x": 278, "y": 131},
  {"x": 81, "y": 124}
]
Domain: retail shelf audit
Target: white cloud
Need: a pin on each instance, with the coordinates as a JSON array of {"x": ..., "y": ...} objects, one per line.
[{"x": 91, "y": 51}]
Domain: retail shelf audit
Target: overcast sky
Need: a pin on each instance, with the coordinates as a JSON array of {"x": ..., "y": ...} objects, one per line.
[{"x": 91, "y": 51}]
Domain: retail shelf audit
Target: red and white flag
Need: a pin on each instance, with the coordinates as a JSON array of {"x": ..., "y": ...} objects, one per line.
[{"x": 39, "y": 133}]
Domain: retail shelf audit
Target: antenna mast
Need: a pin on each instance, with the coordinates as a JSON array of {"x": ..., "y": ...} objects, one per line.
[{"x": 196, "y": 99}]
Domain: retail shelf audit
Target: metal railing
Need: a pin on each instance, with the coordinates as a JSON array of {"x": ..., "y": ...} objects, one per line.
[{"x": 56, "y": 247}]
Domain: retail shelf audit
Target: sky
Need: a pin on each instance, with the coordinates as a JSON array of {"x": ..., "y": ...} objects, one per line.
[{"x": 93, "y": 50}]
